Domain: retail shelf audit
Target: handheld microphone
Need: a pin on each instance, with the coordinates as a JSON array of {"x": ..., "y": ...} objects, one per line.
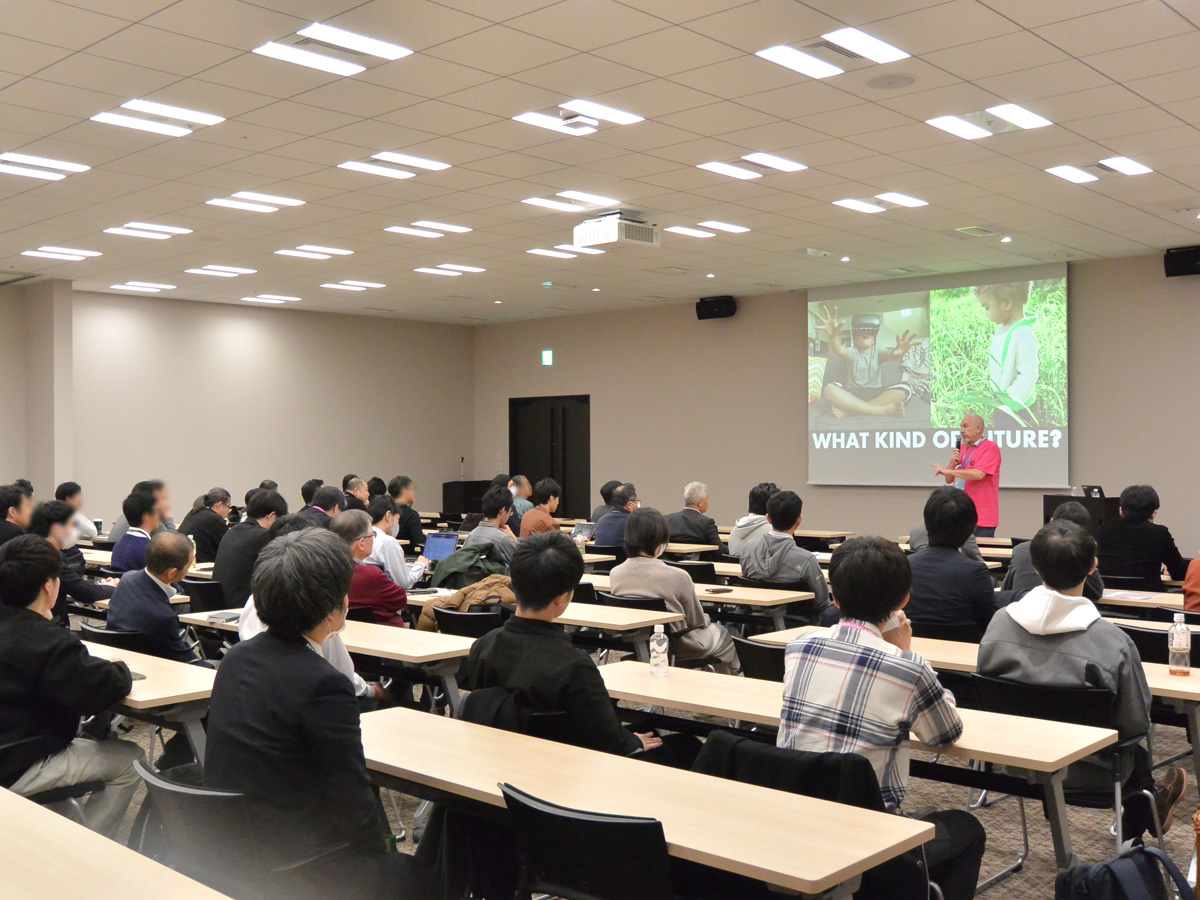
[{"x": 958, "y": 442}]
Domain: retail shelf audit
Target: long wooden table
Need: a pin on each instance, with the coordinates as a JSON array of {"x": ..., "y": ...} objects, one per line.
[
  {"x": 103, "y": 559},
  {"x": 813, "y": 847},
  {"x": 1039, "y": 748},
  {"x": 734, "y": 570},
  {"x": 1142, "y": 600},
  {"x": 771, "y": 602},
  {"x": 173, "y": 694}
]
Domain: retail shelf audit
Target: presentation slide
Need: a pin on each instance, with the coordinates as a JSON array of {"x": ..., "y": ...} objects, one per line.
[{"x": 891, "y": 376}]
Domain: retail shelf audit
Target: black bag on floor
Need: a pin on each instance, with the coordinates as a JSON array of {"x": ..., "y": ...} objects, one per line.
[{"x": 1131, "y": 875}]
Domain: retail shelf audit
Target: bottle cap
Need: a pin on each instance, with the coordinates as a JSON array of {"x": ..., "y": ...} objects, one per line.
[
  {"x": 658, "y": 629},
  {"x": 1179, "y": 618}
]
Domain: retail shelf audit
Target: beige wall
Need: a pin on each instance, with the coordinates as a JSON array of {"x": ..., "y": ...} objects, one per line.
[
  {"x": 676, "y": 399},
  {"x": 12, "y": 385},
  {"x": 203, "y": 395}
]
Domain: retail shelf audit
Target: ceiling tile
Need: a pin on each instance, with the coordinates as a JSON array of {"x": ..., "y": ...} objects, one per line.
[
  {"x": 1110, "y": 29},
  {"x": 608, "y": 22}
]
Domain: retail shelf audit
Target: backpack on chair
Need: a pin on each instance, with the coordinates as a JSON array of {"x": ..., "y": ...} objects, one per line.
[{"x": 1131, "y": 875}]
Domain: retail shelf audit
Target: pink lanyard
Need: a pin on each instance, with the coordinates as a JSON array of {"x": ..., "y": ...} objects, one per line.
[{"x": 856, "y": 625}]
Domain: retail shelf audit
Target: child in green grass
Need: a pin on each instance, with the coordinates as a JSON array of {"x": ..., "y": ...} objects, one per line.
[{"x": 1013, "y": 363}]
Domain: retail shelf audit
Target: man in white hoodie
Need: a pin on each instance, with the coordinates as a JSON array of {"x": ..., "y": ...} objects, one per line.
[
  {"x": 1055, "y": 636},
  {"x": 751, "y": 526}
]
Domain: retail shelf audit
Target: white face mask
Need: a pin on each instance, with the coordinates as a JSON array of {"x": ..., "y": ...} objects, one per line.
[
  {"x": 70, "y": 538},
  {"x": 660, "y": 551},
  {"x": 396, "y": 528},
  {"x": 339, "y": 631}
]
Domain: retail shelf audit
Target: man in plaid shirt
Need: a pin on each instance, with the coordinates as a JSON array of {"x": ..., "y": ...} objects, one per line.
[{"x": 859, "y": 688}]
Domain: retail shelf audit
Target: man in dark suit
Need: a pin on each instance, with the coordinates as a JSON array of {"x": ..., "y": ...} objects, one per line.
[
  {"x": 55, "y": 521},
  {"x": 610, "y": 530},
  {"x": 326, "y": 504},
  {"x": 1135, "y": 546},
  {"x": 142, "y": 600},
  {"x": 606, "y": 492},
  {"x": 283, "y": 729},
  {"x": 356, "y": 494},
  {"x": 409, "y": 527},
  {"x": 240, "y": 548},
  {"x": 16, "y": 510},
  {"x": 690, "y": 525},
  {"x": 947, "y": 587}
]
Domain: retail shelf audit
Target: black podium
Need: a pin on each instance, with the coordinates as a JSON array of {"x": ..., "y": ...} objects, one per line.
[
  {"x": 1100, "y": 508},
  {"x": 462, "y": 497}
]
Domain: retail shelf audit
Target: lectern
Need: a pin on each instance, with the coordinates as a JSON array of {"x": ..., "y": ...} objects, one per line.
[{"x": 1100, "y": 508}]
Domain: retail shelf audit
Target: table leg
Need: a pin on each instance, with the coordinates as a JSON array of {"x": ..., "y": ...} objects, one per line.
[
  {"x": 641, "y": 645},
  {"x": 777, "y": 619},
  {"x": 1192, "y": 711},
  {"x": 1056, "y": 812},
  {"x": 450, "y": 689},
  {"x": 194, "y": 729}
]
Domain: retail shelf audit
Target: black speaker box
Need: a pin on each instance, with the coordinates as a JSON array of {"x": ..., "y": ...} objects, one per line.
[
  {"x": 715, "y": 307},
  {"x": 1182, "y": 261}
]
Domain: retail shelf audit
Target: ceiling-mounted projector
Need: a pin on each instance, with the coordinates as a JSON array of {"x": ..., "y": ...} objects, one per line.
[{"x": 614, "y": 229}]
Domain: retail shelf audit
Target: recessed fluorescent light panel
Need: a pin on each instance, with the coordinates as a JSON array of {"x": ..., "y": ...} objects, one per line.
[
  {"x": 403, "y": 159},
  {"x": 242, "y": 204},
  {"x": 134, "y": 232},
  {"x": 901, "y": 199},
  {"x": 214, "y": 272},
  {"x": 590, "y": 199},
  {"x": 456, "y": 267},
  {"x": 1124, "y": 165},
  {"x": 165, "y": 229},
  {"x": 774, "y": 162},
  {"x": 860, "y": 206},
  {"x": 372, "y": 169},
  {"x": 50, "y": 254},
  {"x": 363, "y": 284},
  {"x": 358, "y": 42},
  {"x": 234, "y": 269},
  {"x": 172, "y": 112},
  {"x": 791, "y": 58},
  {"x": 571, "y": 248},
  {"x": 262, "y": 300},
  {"x": 303, "y": 254},
  {"x": 43, "y": 162},
  {"x": 31, "y": 173},
  {"x": 442, "y": 226},
  {"x": 1019, "y": 116},
  {"x": 333, "y": 251},
  {"x": 553, "y": 123},
  {"x": 415, "y": 232},
  {"x": 152, "y": 284},
  {"x": 267, "y": 198},
  {"x": 110, "y": 118},
  {"x": 559, "y": 205},
  {"x": 724, "y": 226},
  {"x": 301, "y": 57},
  {"x": 148, "y": 230},
  {"x": 556, "y": 254},
  {"x": 342, "y": 287},
  {"x": 133, "y": 287},
  {"x": 604, "y": 113},
  {"x": 959, "y": 127},
  {"x": 279, "y": 297},
  {"x": 690, "y": 232},
  {"x": 864, "y": 45},
  {"x": 436, "y": 271},
  {"x": 732, "y": 171},
  {"x": 1072, "y": 174}
]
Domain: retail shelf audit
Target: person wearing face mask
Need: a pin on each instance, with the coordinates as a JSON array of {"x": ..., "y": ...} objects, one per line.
[
  {"x": 386, "y": 551},
  {"x": 208, "y": 523},
  {"x": 239, "y": 548},
  {"x": 55, "y": 522},
  {"x": 142, "y": 600},
  {"x": 284, "y": 731},
  {"x": 643, "y": 574},
  {"x": 370, "y": 588}
]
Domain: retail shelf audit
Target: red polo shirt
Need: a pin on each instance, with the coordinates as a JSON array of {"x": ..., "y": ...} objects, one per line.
[{"x": 984, "y": 456}]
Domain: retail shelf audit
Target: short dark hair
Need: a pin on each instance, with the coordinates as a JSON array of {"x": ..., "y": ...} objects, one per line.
[
  {"x": 49, "y": 514},
  {"x": 137, "y": 506},
  {"x": 496, "y": 500},
  {"x": 299, "y": 579},
  {"x": 288, "y": 525},
  {"x": 950, "y": 517},
  {"x": 1063, "y": 554},
  {"x": 1073, "y": 511},
  {"x": 351, "y": 526},
  {"x": 167, "y": 550},
  {"x": 28, "y": 562},
  {"x": 328, "y": 497},
  {"x": 262, "y": 503},
  {"x": 544, "y": 566},
  {"x": 153, "y": 486},
  {"x": 25, "y": 486},
  {"x": 268, "y": 485},
  {"x": 606, "y": 490},
  {"x": 646, "y": 530},
  {"x": 11, "y": 497},
  {"x": 502, "y": 479},
  {"x": 759, "y": 495},
  {"x": 67, "y": 490},
  {"x": 869, "y": 577},
  {"x": 380, "y": 506},
  {"x": 544, "y": 490},
  {"x": 397, "y": 484},
  {"x": 376, "y": 486},
  {"x": 623, "y": 494},
  {"x": 354, "y": 484},
  {"x": 783, "y": 509},
  {"x": 1139, "y": 502},
  {"x": 346, "y": 479},
  {"x": 309, "y": 489}
]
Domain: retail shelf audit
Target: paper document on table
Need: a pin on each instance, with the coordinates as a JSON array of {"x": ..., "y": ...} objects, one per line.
[{"x": 1129, "y": 595}]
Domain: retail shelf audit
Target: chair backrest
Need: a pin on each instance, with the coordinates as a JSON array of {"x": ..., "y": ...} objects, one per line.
[
  {"x": 701, "y": 572},
  {"x": 618, "y": 552},
  {"x": 771, "y": 585},
  {"x": 1151, "y": 644},
  {"x": 656, "y": 604},
  {"x": 759, "y": 660},
  {"x": 1131, "y": 582},
  {"x": 361, "y": 614},
  {"x": 1165, "y": 614},
  {"x": 1078, "y": 706},
  {"x": 133, "y": 641},
  {"x": 966, "y": 633},
  {"x": 585, "y": 592},
  {"x": 204, "y": 595},
  {"x": 581, "y": 855},
  {"x": 106, "y": 572},
  {"x": 101, "y": 544},
  {"x": 467, "y": 623}
]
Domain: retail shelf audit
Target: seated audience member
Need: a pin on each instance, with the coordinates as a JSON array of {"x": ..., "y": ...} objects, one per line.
[
  {"x": 129, "y": 554},
  {"x": 1191, "y": 586},
  {"x": 356, "y": 495},
  {"x": 643, "y": 574},
  {"x": 55, "y": 521},
  {"x": 857, "y": 688},
  {"x": 1055, "y": 636},
  {"x": 326, "y": 504},
  {"x": 208, "y": 523},
  {"x": 522, "y": 491},
  {"x": 754, "y": 523},
  {"x": 16, "y": 512},
  {"x": 49, "y": 681},
  {"x": 610, "y": 530},
  {"x": 376, "y": 487},
  {"x": 546, "y": 494},
  {"x": 346, "y": 479},
  {"x": 494, "y": 530},
  {"x": 534, "y": 659},
  {"x": 163, "y": 501},
  {"x": 387, "y": 553},
  {"x": 370, "y": 587},
  {"x": 142, "y": 600},
  {"x": 308, "y": 490},
  {"x": 268, "y": 485},
  {"x": 775, "y": 556},
  {"x": 691, "y": 525},
  {"x": 239, "y": 549},
  {"x": 305, "y": 781},
  {"x": 26, "y": 487},
  {"x": 918, "y": 539},
  {"x": 503, "y": 480},
  {"x": 1022, "y": 576},
  {"x": 1134, "y": 545},
  {"x": 948, "y": 588},
  {"x": 404, "y": 491},
  {"x": 71, "y": 493},
  {"x": 606, "y": 493}
]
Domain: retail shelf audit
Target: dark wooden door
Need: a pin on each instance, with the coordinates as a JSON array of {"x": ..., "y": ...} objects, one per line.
[{"x": 551, "y": 437}]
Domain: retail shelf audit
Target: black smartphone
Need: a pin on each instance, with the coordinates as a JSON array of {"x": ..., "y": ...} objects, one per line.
[
  {"x": 137, "y": 676},
  {"x": 719, "y": 590}
]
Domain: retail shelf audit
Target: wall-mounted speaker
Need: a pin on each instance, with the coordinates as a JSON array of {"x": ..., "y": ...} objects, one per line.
[
  {"x": 715, "y": 307},
  {"x": 1182, "y": 261}
]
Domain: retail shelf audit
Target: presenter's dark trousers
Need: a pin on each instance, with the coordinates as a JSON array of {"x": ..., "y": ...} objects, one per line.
[{"x": 985, "y": 531}]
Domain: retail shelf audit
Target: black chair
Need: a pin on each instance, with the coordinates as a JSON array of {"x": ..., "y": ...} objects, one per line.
[
  {"x": 580, "y": 855},
  {"x": 1165, "y": 614},
  {"x": 700, "y": 572},
  {"x": 69, "y": 794},
  {"x": 1077, "y": 706},
  {"x": 100, "y": 544},
  {"x": 657, "y": 604},
  {"x": 618, "y": 552},
  {"x": 361, "y": 614},
  {"x": 204, "y": 595},
  {"x": 106, "y": 572},
  {"x": 728, "y": 558},
  {"x": 467, "y": 623},
  {"x": 133, "y": 641},
  {"x": 585, "y": 592},
  {"x": 759, "y": 660},
  {"x": 1151, "y": 644},
  {"x": 1131, "y": 583}
]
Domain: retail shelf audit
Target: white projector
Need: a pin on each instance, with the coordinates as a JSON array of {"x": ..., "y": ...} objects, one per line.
[{"x": 614, "y": 228}]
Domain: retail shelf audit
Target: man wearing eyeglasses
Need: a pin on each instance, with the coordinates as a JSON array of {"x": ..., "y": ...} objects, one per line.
[
  {"x": 610, "y": 530},
  {"x": 371, "y": 588}
]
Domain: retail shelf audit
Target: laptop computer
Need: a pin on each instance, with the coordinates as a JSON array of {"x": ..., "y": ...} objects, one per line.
[
  {"x": 439, "y": 545},
  {"x": 585, "y": 530},
  {"x": 1093, "y": 490}
]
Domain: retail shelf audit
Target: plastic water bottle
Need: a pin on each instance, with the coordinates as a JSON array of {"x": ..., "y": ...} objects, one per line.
[
  {"x": 658, "y": 652},
  {"x": 1179, "y": 647}
]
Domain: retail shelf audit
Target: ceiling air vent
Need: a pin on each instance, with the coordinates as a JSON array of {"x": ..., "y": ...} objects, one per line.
[
  {"x": 976, "y": 231},
  {"x": 829, "y": 47}
]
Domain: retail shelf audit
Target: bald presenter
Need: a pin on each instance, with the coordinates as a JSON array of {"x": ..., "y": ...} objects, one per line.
[{"x": 975, "y": 468}]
